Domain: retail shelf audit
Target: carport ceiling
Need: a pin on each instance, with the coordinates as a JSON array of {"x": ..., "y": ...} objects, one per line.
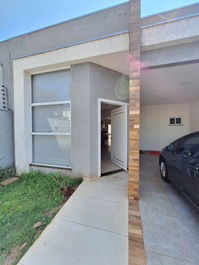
[{"x": 170, "y": 85}]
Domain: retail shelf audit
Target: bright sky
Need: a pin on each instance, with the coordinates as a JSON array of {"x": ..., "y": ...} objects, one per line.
[{"x": 21, "y": 16}]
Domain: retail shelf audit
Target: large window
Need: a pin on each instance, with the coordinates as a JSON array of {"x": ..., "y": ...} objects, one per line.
[{"x": 51, "y": 119}]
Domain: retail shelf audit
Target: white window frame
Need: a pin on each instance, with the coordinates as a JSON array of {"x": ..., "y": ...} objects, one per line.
[
  {"x": 49, "y": 103},
  {"x": 176, "y": 124}
]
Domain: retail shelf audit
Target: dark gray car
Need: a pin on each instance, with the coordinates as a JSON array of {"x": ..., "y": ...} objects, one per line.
[{"x": 179, "y": 164}]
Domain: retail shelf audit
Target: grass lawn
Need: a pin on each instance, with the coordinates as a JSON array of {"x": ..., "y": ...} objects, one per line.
[{"x": 35, "y": 197}]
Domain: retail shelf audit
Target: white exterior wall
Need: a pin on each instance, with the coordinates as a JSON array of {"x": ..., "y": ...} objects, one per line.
[
  {"x": 195, "y": 116},
  {"x": 163, "y": 34},
  {"x": 155, "y": 130},
  {"x": 49, "y": 61}
]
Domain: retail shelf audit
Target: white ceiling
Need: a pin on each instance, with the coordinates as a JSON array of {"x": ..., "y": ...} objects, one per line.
[
  {"x": 168, "y": 85},
  {"x": 115, "y": 61},
  {"x": 176, "y": 84}
]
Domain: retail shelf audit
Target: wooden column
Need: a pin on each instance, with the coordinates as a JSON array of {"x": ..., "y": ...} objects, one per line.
[
  {"x": 136, "y": 242},
  {"x": 134, "y": 98}
]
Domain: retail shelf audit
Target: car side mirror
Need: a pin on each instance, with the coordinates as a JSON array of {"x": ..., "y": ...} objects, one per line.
[{"x": 170, "y": 148}]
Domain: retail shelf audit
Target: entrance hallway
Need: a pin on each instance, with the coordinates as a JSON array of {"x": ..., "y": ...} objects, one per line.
[
  {"x": 113, "y": 138},
  {"x": 106, "y": 164},
  {"x": 90, "y": 229},
  {"x": 171, "y": 234}
]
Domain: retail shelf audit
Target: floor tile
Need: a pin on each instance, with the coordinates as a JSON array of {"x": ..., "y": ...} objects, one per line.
[{"x": 106, "y": 163}]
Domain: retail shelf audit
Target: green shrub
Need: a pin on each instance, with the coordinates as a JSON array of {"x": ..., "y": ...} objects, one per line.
[{"x": 7, "y": 173}]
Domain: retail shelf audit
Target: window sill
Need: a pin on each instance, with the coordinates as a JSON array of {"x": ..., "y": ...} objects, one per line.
[
  {"x": 176, "y": 125},
  {"x": 49, "y": 166}
]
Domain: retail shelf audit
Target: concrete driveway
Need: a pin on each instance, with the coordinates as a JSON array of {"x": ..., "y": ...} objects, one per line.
[
  {"x": 90, "y": 229},
  {"x": 171, "y": 226}
]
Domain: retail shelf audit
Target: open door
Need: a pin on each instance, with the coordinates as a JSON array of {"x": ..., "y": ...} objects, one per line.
[{"x": 119, "y": 146}]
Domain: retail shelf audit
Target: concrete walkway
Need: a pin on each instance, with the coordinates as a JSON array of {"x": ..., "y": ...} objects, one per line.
[{"x": 90, "y": 229}]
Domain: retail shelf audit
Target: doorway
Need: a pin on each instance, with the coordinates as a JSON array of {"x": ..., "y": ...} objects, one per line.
[{"x": 113, "y": 137}]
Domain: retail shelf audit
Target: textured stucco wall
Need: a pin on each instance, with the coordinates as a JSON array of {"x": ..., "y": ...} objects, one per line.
[
  {"x": 88, "y": 83},
  {"x": 173, "y": 32},
  {"x": 80, "y": 124},
  {"x": 171, "y": 54},
  {"x": 6, "y": 139},
  {"x": 171, "y": 14}
]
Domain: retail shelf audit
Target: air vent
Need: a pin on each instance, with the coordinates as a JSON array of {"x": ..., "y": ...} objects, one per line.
[{"x": 3, "y": 92}]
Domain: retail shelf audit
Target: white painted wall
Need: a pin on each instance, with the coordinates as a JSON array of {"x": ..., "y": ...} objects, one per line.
[
  {"x": 194, "y": 116},
  {"x": 45, "y": 62},
  {"x": 155, "y": 130}
]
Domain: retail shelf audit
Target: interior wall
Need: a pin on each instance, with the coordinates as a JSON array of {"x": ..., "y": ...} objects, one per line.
[
  {"x": 155, "y": 130},
  {"x": 194, "y": 116}
]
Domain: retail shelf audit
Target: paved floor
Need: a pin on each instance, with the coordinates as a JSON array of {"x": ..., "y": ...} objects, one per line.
[
  {"x": 91, "y": 228},
  {"x": 106, "y": 163},
  {"x": 171, "y": 226}
]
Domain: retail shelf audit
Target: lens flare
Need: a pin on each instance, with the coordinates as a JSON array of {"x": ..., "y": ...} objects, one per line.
[{"x": 122, "y": 88}]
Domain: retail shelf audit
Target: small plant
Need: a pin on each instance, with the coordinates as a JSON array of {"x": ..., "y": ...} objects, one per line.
[
  {"x": 7, "y": 173},
  {"x": 67, "y": 185},
  {"x": 65, "y": 181}
]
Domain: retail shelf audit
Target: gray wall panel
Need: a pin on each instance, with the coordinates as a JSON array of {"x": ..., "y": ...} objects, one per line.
[
  {"x": 80, "y": 109},
  {"x": 103, "y": 84},
  {"x": 89, "y": 82},
  {"x": 6, "y": 139}
]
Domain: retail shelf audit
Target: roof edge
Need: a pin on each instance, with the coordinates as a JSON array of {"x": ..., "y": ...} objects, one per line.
[{"x": 66, "y": 21}]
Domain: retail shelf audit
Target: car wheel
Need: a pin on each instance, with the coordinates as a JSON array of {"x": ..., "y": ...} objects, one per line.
[{"x": 163, "y": 170}]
